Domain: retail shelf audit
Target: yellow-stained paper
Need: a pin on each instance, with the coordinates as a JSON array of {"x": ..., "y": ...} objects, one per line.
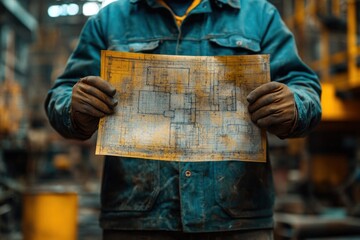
[{"x": 182, "y": 108}]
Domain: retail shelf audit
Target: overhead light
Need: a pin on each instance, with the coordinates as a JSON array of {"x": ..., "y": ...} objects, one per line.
[
  {"x": 54, "y": 11},
  {"x": 90, "y": 8},
  {"x": 72, "y": 9},
  {"x": 63, "y": 10}
]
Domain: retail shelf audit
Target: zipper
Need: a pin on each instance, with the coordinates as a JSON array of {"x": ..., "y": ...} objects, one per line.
[
  {"x": 178, "y": 41},
  {"x": 178, "y": 27}
]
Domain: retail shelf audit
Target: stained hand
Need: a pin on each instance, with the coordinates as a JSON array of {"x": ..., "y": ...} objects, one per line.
[
  {"x": 272, "y": 107},
  {"x": 92, "y": 99}
]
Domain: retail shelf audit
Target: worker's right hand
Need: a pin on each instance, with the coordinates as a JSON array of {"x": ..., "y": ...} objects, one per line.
[{"x": 92, "y": 98}]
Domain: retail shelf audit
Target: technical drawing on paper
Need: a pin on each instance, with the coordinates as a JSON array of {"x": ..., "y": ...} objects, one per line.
[{"x": 182, "y": 108}]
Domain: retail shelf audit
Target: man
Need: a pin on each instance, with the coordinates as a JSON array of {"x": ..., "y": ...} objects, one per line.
[{"x": 187, "y": 200}]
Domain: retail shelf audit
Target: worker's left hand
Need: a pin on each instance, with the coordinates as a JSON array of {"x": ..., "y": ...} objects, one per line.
[{"x": 272, "y": 107}]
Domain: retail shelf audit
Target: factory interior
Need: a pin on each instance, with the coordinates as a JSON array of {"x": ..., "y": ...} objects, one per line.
[{"x": 316, "y": 178}]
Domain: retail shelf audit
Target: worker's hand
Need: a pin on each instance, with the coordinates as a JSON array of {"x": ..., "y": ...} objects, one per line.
[
  {"x": 272, "y": 107},
  {"x": 92, "y": 98}
]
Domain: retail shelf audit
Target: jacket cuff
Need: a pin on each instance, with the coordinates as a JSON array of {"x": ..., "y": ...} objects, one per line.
[{"x": 300, "y": 125}]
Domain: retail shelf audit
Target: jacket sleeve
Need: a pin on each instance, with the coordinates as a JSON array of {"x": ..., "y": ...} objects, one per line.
[
  {"x": 84, "y": 61},
  {"x": 287, "y": 67}
]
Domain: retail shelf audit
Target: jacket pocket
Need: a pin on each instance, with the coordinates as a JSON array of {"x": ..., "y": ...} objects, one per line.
[
  {"x": 140, "y": 47},
  {"x": 244, "y": 189},
  {"x": 234, "y": 45},
  {"x": 130, "y": 184}
]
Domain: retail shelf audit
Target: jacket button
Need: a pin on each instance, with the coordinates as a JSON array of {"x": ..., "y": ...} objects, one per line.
[{"x": 188, "y": 173}]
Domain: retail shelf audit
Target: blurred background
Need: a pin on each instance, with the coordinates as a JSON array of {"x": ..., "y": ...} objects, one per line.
[{"x": 317, "y": 178}]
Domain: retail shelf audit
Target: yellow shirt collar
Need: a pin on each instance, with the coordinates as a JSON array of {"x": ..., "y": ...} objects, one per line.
[{"x": 180, "y": 19}]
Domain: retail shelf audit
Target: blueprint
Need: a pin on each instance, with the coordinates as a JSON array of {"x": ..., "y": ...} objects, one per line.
[{"x": 182, "y": 108}]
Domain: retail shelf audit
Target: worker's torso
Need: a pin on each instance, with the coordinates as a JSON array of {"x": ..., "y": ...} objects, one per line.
[{"x": 215, "y": 196}]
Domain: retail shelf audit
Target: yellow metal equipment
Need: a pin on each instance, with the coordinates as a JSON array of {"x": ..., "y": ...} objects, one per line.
[
  {"x": 50, "y": 215},
  {"x": 330, "y": 19}
]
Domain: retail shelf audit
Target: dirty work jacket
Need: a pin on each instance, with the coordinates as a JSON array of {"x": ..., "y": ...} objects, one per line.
[{"x": 142, "y": 194}]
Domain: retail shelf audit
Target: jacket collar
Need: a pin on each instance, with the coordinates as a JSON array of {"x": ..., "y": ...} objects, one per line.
[{"x": 231, "y": 3}]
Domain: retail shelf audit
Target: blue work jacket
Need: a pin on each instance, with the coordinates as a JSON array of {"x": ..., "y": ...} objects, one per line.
[{"x": 140, "y": 194}]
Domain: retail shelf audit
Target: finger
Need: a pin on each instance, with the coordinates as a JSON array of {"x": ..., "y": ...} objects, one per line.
[
  {"x": 264, "y": 112},
  {"x": 278, "y": 130},
  {"x": 263, "y": 102},
  {"x": 271, "y": 120},
  {"x": 91, "y": 111},
  {"x": 95, "y": 92},
  {"x": 266, "y": 122},
  {"x": 100, "y": 84},
  {"x": 90, "y": 102},
  {"x": 263, "y": 90}
]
